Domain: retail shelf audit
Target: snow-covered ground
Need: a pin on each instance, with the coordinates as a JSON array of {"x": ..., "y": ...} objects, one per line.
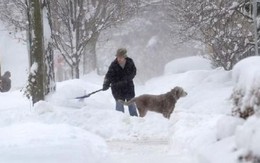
[{"x": 62, "y": 129}]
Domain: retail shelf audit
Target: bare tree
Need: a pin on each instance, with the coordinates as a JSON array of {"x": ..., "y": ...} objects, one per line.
[
  {"x": 112, "y": 13},
  {"x": 13, "y": 17},
  {"x": 78, "y": 24}
]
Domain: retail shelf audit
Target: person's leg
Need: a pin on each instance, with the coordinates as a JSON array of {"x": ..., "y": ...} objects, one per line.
[
  {"x": 119, "y": 106},
  {"x": 132, "y": 109}
]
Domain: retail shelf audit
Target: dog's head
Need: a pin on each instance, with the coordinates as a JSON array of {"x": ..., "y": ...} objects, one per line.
[{"x": 178, "y": 92}]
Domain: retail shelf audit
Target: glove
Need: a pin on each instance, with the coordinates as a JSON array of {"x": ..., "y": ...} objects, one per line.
[
  {"x": 105, "y": 87},
  {"x": 106, "y": 84}
]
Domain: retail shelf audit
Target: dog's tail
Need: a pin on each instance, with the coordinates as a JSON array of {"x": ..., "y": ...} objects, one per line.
[{"x": 127, "y": 103}]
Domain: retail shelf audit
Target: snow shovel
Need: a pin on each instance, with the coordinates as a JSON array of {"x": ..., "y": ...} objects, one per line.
[{"x": 87, "y": 95}]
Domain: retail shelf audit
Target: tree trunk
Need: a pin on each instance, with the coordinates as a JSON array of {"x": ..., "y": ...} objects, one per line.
[
  {"x": 35, "y": 87},
  {"x": 50, "y": 85},
  {"x": 75, "y": 71},
  {"x": 90, "y": 56}
]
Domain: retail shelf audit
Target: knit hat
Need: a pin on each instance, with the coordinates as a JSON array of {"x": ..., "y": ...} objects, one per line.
[{"x": 121, "y": 52}]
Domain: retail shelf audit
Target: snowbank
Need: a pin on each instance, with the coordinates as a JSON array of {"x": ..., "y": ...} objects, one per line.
[
  {"x": 54, "y": 143},
  {"x": 246, "y": 73},
  {"x": 186, "y": 64},
  {"x": 226, "y": 126},
  {"x": 248, "y": 136},
  {"x": 67, "y": 91}
]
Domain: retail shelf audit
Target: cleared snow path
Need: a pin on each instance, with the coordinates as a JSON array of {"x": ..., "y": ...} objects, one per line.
[{"x": 144, "y": 151}]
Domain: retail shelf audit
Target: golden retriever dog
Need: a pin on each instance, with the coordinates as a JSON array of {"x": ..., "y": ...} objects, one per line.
[{"x": 163, "y": 103}]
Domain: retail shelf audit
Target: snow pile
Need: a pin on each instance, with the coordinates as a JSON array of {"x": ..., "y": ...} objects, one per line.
[
  {"x": 41, "y": 143},
  {"x": 43, "y": 107},
  {"x": 248, "y": 136},
  {"x": 238, "y": 139},
  {"x": 246, "y": 93},
  {"x": 66, "y": 93},
  {"x": 226, "y": 126},
  {"x": 246, "y": 73},
  {"x": 189, "y": 63}
]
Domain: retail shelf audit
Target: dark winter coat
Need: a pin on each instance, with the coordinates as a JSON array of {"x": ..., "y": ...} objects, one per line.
[
  {"x": 121, "y": 79},
  {"x": 5, "y": 82}
]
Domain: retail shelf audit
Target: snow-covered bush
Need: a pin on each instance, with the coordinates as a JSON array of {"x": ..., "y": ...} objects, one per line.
[{"x": 246, "y": 93}]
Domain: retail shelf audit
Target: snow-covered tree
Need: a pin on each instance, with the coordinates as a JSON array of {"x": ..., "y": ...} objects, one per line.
[
  {"x": 78, "y": 24},
  {"x": 17, "y": 17},
  {"x": 35, "y": 87},
  {"x": 219, "y": 24},
  {"x": 13, "y": 17},
  {"x": 50, "y": 85}
]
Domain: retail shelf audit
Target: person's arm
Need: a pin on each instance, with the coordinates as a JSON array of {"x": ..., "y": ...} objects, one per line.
[
  {"x": 108, "y": 77},
  {"x": 131, "y": 72}
]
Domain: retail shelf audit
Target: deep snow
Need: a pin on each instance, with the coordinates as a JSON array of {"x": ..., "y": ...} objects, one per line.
[{"x": 62, "y": 129}]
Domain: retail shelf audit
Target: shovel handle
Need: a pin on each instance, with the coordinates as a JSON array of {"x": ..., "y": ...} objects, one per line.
[{"x": 87, "y": 95}]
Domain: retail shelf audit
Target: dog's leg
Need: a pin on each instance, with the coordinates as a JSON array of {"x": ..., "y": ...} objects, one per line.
[
  {"x": 170, "y": 112},
  {"x": 142, "y": 112},
  {"x": 166, "y": 114}
]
